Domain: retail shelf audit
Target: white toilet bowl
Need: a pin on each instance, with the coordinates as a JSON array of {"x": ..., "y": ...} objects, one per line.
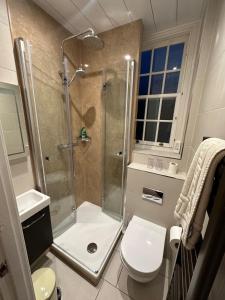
[
  {"x": 44, "y": 282},
  {"x": 142, "y": 248}
]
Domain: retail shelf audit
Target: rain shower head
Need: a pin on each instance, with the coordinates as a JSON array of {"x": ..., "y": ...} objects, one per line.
[
  {"x": 88, "y": 37},
  {"x": 93, "y": 41}
]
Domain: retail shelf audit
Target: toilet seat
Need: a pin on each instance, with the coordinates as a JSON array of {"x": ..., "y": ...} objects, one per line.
[
  {"x": 142, "y": 248},
  {"x": 44, "y": 282}
]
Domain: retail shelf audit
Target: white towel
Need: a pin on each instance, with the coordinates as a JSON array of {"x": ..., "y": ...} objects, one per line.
[{"x": 192, "y": 203}]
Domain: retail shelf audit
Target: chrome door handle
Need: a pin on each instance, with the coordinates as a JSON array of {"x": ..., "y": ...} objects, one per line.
[{"x": 34, "y": 222}]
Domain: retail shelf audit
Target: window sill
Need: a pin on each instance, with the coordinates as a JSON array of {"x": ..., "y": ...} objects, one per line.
[
  {"x": 162, "y": 152},
  {"x": 163, "y": 172}
]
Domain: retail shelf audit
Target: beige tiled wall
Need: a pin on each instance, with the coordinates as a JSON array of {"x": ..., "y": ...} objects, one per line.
[
  {"x": 110, "y": 60},
  {"x": 21, "y": 169}
]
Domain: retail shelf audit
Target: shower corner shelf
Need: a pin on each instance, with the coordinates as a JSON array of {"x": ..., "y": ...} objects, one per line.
[{"x": 83, "y": 140}]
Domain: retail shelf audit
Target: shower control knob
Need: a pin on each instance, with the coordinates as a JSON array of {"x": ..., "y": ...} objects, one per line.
[{"x": 119, "y": 154}]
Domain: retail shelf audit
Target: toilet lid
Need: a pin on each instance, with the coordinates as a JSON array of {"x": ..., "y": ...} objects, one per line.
[
  {"x": 143, "y": 245},
  {"x": 44, "y": 283}
]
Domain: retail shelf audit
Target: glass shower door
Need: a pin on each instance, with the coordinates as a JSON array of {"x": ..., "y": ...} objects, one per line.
[
  {"x": 57, "y": 160},
  {"x": 117, "y": 100},
  {"x": 45, "y": 99}
]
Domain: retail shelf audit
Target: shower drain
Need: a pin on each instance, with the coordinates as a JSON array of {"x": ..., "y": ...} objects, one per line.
[{"x": 92, "y": 248}]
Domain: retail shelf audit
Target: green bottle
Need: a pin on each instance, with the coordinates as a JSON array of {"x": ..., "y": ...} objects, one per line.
[{"x": 83, "y": 133}]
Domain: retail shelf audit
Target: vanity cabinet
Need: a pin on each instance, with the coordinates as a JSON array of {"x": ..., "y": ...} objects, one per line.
[{"x": 37, "y": 232}]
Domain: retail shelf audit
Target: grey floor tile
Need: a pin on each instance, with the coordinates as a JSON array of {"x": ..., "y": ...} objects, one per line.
[
  {"x": 113, "y": 269},
  {"x": 109, "y": 292},
  {"x": 154, "y": 290}
]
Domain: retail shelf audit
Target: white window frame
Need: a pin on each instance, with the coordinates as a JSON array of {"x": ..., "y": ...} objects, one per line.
[{"x": 189, "y": 35}]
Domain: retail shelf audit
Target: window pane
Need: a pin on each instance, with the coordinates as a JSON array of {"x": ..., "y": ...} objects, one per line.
[
  {"x": 171, "y": 83},
  {"x": 164, "y": 132},
  {"x": 141, "y": 109},
  {"x": 145, "y": 61},
  {"x": 139, "y": 130},
  {"x": 150, "y": 130},
  {"x": 167, "y": 110},
  {"x": 175, "y": 56},
  {"x": 143, "y": 85},
  {"x": 156, "y": 84},
  {"x": 159, "y": 59},
  {"x": 153, "y": 109}
]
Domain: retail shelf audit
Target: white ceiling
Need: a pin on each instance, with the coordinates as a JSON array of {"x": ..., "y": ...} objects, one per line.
[{"x": 102, "y": 15}]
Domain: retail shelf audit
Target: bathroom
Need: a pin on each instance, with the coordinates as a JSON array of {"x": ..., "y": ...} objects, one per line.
[{"x": 103, "y": 106}]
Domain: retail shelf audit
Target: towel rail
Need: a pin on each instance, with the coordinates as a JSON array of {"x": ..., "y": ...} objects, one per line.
[{"x": 195, "y": 270}]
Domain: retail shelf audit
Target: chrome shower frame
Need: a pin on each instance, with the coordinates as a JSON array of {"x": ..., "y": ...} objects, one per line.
[
  {"x": 23, "y": 57},
  {"x": 94, "y": 277},
  {"x": 127, "y": 131},
  {"x": 37, "y": 151},
  {"x": 70, "y": 145}
]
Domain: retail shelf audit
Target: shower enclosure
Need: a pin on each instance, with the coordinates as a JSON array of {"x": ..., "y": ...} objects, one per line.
[{"x": 79, "y": 134}]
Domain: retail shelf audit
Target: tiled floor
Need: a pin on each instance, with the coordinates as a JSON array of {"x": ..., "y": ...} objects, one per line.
[{"x": 114, "y": 285}]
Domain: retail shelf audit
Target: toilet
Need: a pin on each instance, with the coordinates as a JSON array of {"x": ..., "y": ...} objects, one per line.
[
  {"x": 142, "y": 248},
  {"x": 44, "y": 282}
]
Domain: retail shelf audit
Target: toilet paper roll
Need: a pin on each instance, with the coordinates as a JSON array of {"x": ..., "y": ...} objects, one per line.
[
  {"x": 173, "y": 168},
  {"x": 175, "y": 237}
]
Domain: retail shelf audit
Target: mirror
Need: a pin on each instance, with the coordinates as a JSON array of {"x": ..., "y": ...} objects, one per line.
[{"x": 12, "y": 121}]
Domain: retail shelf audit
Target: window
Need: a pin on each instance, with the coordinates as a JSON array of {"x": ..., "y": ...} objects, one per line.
[{"x": 160, "y": 82}]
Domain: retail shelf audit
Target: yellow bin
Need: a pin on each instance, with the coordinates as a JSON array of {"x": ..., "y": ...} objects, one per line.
[{"x": 44, "y": 282}]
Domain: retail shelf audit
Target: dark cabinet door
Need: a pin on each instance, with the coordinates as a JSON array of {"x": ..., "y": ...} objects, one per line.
[{"x": 37, "y": 232}]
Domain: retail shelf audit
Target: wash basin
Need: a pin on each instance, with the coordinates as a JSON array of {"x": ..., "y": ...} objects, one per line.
[{"x": 31, "y": 202}]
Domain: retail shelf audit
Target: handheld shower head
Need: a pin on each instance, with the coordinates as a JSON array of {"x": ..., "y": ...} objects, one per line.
[{"x": 80, "y": 71}]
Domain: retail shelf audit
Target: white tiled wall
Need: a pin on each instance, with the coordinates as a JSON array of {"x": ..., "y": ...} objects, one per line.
[
  {"x": 20, "y": 169},
  {"x": 210, "y": 119},
  {"x": 7, "y": 64}
]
